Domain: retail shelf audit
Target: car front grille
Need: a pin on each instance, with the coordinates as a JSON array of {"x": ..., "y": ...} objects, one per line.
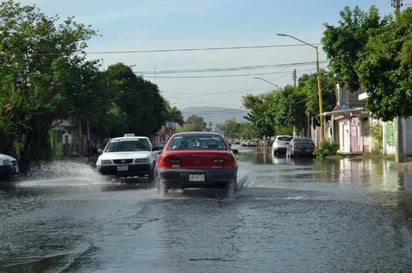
[{"x": 123, "y": 161}]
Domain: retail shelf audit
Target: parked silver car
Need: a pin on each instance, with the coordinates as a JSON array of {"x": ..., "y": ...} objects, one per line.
[
  {"x": 300, "y": 146},
  {"x": 9, "y": 167},
  {"x": 280, "y": 144}
]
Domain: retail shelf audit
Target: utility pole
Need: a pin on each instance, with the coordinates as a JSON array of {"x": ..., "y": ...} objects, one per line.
[
  {"x": 399, "y": 154},
  {"x": 397, "y": 4},
  {"x": 294, "y": 77}
]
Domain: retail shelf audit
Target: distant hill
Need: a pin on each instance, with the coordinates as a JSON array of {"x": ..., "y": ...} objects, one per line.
[{"x": 216, "y": 115}]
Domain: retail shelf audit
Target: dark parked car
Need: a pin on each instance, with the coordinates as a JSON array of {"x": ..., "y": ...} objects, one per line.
[
  {"x": 300, "y": 146},
  {"x": 196, "y": 160},
  {"x": 9, "y": 167}
]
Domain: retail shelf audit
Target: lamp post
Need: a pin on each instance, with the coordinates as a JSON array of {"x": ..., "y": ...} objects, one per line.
[
  {"x": 318, "y": 77},
  {"x": 274, "y": 84}
]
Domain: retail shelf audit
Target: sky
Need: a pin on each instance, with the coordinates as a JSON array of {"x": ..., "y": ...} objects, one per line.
[{"x": 208, "y": 53}]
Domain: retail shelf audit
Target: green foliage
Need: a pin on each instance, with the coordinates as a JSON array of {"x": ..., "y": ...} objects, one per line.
[
  {"x": 175, "y": 115},
  {"x": 195, "y": 123},
  {"x": 259, "y": 117},
  {"x": 277, "y": 112},
  {"x": 375, "y": 53},
  {"x": 235, "y": 130},
  {"x": 137, "y": 101},
  {"x": 309, "y": 86},
  {"x": 45, "y": 76},
  {"x": 32, "y": 46},
  {"x": 325, "y": 149},
  {"x": 377, "y": 135}
]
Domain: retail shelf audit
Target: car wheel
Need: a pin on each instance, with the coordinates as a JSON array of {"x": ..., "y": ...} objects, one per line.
[{"x": 162, "y": 188}]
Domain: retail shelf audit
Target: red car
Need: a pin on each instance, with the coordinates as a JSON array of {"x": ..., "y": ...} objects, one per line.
[{"x": 196, "y": 160}]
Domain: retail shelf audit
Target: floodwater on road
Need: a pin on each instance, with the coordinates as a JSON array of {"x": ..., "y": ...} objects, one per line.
[{"x": 288, "y": 215}]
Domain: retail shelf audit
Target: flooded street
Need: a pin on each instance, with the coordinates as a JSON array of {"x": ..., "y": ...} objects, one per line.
[{"x": 299, "y": 215}]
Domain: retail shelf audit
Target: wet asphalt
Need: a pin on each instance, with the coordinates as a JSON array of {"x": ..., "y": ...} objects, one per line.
[{"x": 298, "y": 215}]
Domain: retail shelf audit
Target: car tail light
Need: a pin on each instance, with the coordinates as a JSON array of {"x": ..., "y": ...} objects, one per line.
[
  {"x": 168, "y": 161},
  {"x": 219, "y": 160},
  {"x": 224, "y": 160}
]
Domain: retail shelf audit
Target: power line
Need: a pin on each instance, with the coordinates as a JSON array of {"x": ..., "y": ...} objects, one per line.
[
  {"x": 215, "y": 76},
  {"x": 238, "y": 68},
  {"x": 192, "y": 49}
]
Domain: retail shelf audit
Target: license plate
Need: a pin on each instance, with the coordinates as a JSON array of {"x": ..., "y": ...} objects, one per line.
[
  {"x": 197, "y": 177},
  {"x": 122, "y": 168}
]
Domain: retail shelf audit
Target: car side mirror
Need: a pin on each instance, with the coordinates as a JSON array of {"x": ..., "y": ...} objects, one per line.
[{"x": 235, "y": 151}]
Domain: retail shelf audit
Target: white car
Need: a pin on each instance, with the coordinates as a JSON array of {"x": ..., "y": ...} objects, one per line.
[
  {"x": 280, "y": 144},
  {"x": 9, "y": 167},
  {"x": 128, "y": 156}
]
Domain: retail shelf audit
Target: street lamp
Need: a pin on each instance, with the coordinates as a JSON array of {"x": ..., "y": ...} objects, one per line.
[
  {"x": 274, "y": 84},
  {"x": 318, "y": 76}
]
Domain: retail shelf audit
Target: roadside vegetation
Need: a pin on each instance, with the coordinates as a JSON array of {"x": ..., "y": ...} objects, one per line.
[{"x": 45, "y": 78}]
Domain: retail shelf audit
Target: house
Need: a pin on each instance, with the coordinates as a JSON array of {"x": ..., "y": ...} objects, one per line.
[
  {"x": 348, "y": 123},
  {"x": 354, "y": 129},
  {"x": 67, "y": 139}
]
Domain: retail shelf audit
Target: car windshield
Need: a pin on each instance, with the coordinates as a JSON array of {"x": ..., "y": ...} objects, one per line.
[
  {"x": 201, "y": 142},
  {"x": 127, "y": 146}
]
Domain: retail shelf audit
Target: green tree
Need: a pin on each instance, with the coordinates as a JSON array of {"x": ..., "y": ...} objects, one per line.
[
  {"x": 175, "y": 115},
  {"x": 345, "y": 43},
  {"x": 308, "y": 85},
  {"x": 262, "y": 120},
  {"x": 385, "y": 69},
  {"x": 31, "y": 46},
  {"x": 290, "y": 112},
  {"x": 195, "y": 123},
  {"x": 138, "y": 100},
  {"x": 230, "y": 128},
  {"x": 365, "y": 50}
]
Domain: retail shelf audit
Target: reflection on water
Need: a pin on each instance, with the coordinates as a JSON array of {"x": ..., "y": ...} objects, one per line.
[{"x": 367, "y": 172}]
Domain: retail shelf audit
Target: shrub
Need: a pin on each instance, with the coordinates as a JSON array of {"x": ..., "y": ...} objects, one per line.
[{"x": 325, "y": 148}]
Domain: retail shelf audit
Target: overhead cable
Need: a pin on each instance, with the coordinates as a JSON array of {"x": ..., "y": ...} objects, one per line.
[{"x": 190, "y": 49}]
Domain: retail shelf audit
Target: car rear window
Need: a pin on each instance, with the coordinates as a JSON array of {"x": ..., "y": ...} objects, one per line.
[
  {"x": 303, "y": 140},
  {"x": 193, "y": 142},
  {"x": 284, "y": 138}
]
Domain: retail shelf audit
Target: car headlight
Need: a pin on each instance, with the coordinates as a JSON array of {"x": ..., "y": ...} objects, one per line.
[
  {"x": 6, "y": 162},
  {"x": 142, "y": 160},
  {"x": 105, "y": 162}
]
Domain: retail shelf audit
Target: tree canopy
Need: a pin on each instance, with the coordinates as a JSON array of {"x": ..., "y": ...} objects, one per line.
[
  {"x": 279, "y": 111},
  {"x": 34, "y": 49},
  {"x": 368, "y": 51},
  {"x": 45, "y": 78}
]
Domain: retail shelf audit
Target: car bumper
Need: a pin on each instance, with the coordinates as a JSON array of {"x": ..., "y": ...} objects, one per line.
[
  {"x": 208, "y": 177},
  {"x": 125, "y": 170},
  {"x": 8, "y": 171},
  {"x": 279, "y": 150},
  {"x": 303, "y": 152}
]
